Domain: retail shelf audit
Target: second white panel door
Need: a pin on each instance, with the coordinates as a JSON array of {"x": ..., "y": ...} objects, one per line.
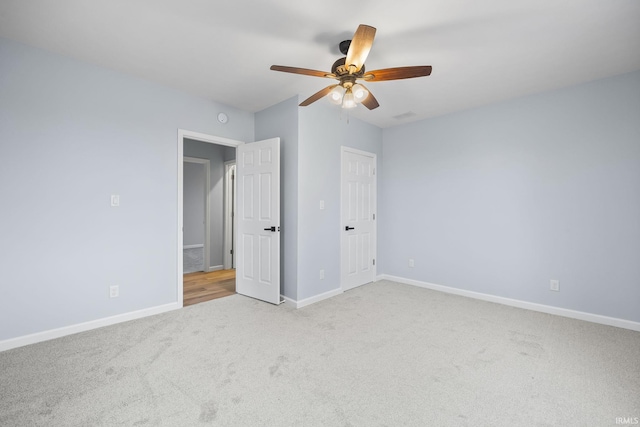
[{"x": 358, "y": 227}]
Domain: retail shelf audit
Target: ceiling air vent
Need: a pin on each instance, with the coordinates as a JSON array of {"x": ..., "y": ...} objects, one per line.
[{"x": 404, "y": 115}]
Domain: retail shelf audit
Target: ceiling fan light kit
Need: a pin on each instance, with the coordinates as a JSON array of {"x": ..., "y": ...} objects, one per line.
[
  {"x": 348, "y": 98},
  {"x": 348, "y": 70}
]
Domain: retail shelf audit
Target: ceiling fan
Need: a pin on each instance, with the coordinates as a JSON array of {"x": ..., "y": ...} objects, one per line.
[{"x": 350, "y": 69}]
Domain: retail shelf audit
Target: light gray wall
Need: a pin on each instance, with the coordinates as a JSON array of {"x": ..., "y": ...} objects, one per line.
[
  {"x": 496, "y": 200},
  {"x": 323, "y": 130},
  {"x": 229, "y": 153},
  {"x": 72, "y": 134},
  {"x": 193, "y": 207},
  {"x": 502, "y": 199},
  {"x": 217, "y": 155},
  {"x": 311, "y": 138},
  {"x": 281, "y": 120}
]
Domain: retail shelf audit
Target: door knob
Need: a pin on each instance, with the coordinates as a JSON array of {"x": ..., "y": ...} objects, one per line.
[{"x": 347, "y": 228}]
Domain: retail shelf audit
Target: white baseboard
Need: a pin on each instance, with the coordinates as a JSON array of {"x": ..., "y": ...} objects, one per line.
[
  {"x": 565, "y": 312},
  {"x": 216, "y": 268},
  {"x": 193, "y": 246},
  {"x": 289, "y": 301},
  {"x": 86, "y": 326},
  {"x": 313, "y": 299}
]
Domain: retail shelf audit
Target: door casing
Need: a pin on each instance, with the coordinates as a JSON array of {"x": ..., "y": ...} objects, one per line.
[
  {"x": 201, "y": 137},
  {"x": 229, "y": 259}
]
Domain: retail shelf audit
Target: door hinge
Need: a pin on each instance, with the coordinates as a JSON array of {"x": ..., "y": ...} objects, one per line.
[
  {"x": 374, "y": 216},
  {"x": 374, "y": 261},
  {"x": 231, "y": 251},
  {"x": 374, "y": 171}
]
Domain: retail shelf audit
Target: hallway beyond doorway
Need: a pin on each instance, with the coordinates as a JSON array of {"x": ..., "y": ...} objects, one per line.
[{"x": 200, "y": 286}]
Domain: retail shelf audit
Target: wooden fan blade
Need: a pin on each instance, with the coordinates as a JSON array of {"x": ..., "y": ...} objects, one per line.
[
  {"x": 359, "y": 48},
  {"x": 370, "y": 101},
  {"x": 313, "y": 98},
  {"x": 303, "y": 71},
  {"x": 397, "y": 73}
]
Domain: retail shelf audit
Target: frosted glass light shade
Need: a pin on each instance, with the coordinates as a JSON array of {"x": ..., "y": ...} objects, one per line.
[
  {"x": 335, "y": 96},
  {"x": 359, "y": 93},
  {"x": 348, "y": 100}
]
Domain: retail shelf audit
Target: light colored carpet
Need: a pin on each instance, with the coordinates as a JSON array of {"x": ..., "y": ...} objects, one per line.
[{"x": 384, "y": 354}]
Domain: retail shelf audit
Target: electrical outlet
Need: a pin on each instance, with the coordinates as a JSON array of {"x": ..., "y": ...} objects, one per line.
[
  {"x": 114, "y": 291},
  {"x": 322, "y": 274},
  {"x": 411, "y": 263},
  {"x": 554, "y": 285}
]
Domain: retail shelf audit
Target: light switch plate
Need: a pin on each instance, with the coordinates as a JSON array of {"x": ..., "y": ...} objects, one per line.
[{"x": 115, "y": 200}]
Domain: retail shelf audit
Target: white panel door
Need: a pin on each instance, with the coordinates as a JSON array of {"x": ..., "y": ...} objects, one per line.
[
  {"x": 258, "y": 220},
  {"x": 358, "y": 210}
]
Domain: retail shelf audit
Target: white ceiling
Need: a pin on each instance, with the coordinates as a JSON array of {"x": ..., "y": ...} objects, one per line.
[{"x": 481, "y": 51}]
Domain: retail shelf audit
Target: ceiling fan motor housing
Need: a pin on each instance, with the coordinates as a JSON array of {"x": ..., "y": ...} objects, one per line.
[{"x": 338, "y": 68}]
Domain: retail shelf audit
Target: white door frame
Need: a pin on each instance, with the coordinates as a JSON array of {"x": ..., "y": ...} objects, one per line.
[
  {"x": 207, "y": 207},
  {"x": 201, "y": 137},
  {"x": 229, "y": 208},
  {"x": 374, "y": 239}
]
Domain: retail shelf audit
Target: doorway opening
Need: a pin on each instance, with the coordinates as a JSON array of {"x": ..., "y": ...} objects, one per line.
[{"x": 204, "y": 196}]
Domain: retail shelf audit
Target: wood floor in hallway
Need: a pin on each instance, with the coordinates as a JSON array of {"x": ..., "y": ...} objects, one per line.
[{"x": 200, "y": 286}]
